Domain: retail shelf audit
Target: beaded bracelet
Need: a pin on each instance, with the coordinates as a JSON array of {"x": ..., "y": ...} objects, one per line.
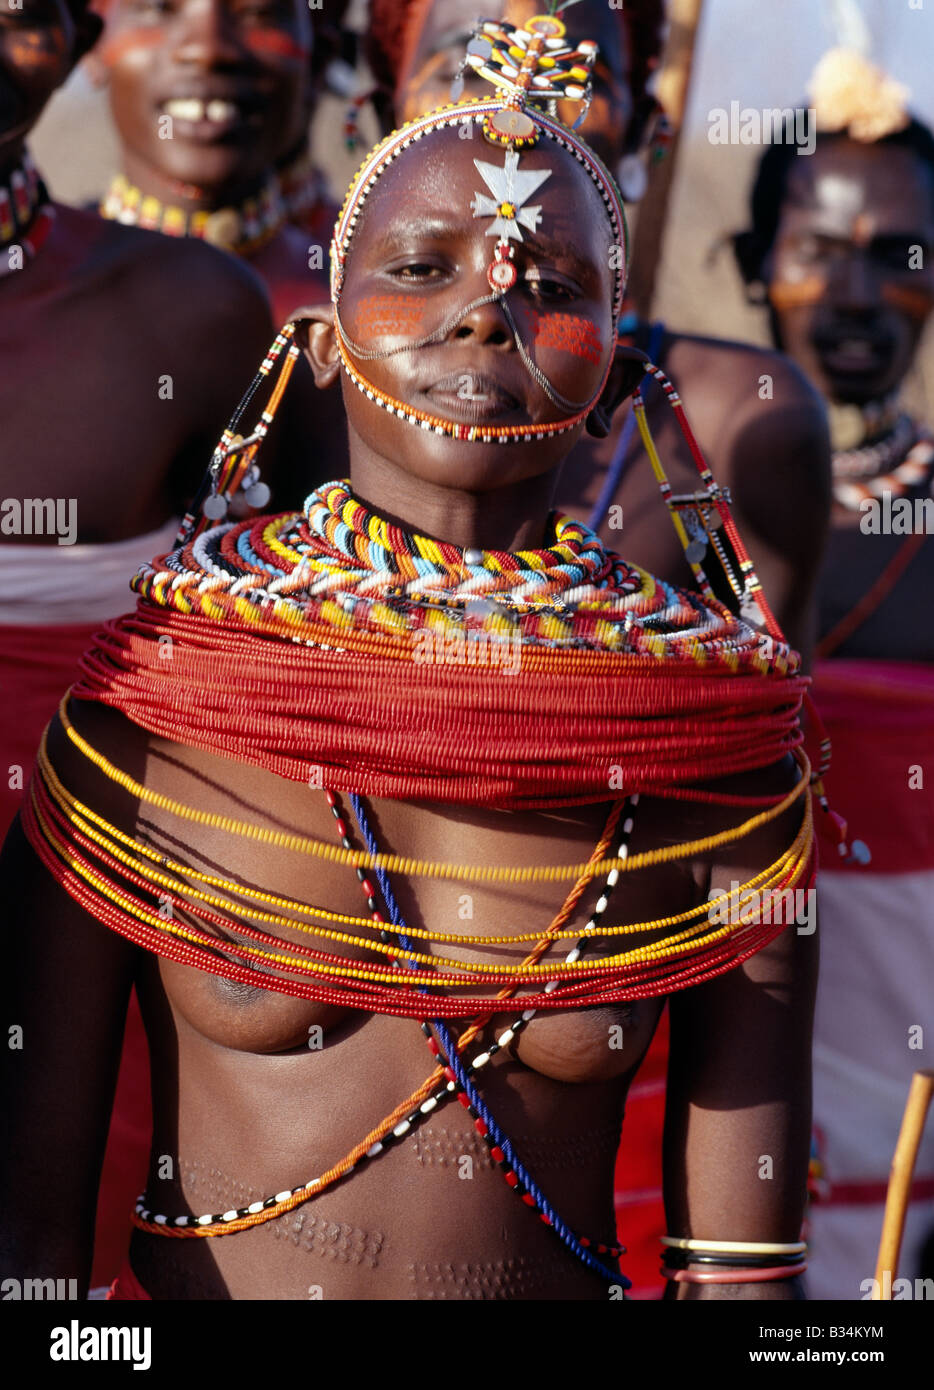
[
  {"x": 737, "y": 1247},
  {"x": 733, "y": 1276},
  {"x": 683, "y": 1259}
]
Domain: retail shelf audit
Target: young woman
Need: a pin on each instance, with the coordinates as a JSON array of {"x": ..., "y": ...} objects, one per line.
[
  {"x": 840, "y": 253},
  {"x": 510, "y": 699},
  {"x": 770, "y": 450}
]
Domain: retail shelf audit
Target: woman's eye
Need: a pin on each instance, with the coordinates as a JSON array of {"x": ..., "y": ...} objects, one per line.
[
  {"x": 151, "y": 7},
  {"x": 416, "y": 270},
  {"x": 544, "y": 288}
]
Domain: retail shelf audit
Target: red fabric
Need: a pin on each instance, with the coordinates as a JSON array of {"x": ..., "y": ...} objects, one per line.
[
  {"x": 126, "y": 1288},
  {"x": 880, "y": 718},
  {"x": 37, "y": 665},
  {"x": 640, "y": 1211},
  {"x": 872, "y": 1194},
  {"x": 123, "y": 1176}
]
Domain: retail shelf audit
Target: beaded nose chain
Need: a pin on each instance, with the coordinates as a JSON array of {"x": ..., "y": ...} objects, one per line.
[
  {"x": 533, "y": 63},
  {"x": 450, "y": 324}
]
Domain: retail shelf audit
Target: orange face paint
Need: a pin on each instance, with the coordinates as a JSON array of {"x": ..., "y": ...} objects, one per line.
[
  {"x": 130, "y": 40},
  {"x": 792, "y": 294},
  {"x": 275, "y": 43},
  {"x": 915, "y": 301},
  {"x": 568, "y": 333},
  {"x": 387, "y": 315}
]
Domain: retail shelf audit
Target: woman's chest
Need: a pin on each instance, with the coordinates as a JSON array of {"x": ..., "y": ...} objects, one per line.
[{"x": 486, "y": 906}]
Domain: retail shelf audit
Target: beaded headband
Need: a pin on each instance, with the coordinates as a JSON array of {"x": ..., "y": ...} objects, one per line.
[
  {"x": 475, "y": 112},
  {"x": 532, "y": 63}
]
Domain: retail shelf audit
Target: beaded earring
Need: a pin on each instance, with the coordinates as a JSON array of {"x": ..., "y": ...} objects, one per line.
[{"x": 233, "y": 468}]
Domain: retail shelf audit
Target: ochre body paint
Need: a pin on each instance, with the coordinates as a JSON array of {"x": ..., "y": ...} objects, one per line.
[
  {"x": 788, "y": 294},
  {"x": 571, "y": 333},
  {"x": 915, "y": 301},
  {"x": 277, "y": 43},
  {"x": 387, "y": 315}
]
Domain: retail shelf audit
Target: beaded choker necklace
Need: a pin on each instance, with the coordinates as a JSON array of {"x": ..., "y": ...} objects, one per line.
[
  {"x": 242, "y": 229},
  {"x": 26, "y": 216}
]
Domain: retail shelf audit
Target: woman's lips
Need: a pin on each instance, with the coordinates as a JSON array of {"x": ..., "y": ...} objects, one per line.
[{"x": 472, "y": 397}]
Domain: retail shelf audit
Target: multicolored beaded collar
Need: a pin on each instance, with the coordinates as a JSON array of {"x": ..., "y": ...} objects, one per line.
[
  {"x": 241, "y": 230},
  {"x": 26, "y": 216},
  {"x": 339, "y": 563}
]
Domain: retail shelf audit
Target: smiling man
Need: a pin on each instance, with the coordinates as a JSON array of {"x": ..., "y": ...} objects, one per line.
[{"x": 208, "y": 97}]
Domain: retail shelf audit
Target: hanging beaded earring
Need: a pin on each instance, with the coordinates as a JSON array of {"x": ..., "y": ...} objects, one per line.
[{"x": 233, "y": 468}]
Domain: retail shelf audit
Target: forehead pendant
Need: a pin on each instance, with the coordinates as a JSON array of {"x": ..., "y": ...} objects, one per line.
[
  {"x": 510, "y": 189},
  {"x": 534, "y": 63}
]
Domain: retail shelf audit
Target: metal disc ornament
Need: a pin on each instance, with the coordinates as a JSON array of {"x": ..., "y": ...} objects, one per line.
[
  {"x": 215, "y": 506},
  {"x": 258, "y": 494},
  {"x": 512, "y": 125}
]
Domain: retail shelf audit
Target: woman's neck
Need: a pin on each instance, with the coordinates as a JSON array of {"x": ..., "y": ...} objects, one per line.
[{"x": 510, "y": 518}]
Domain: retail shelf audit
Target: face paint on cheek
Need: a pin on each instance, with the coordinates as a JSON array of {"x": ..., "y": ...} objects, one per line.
[
  {"x": 916, "y": 302},
  {"x": 130, "y": 41},
  {"x": 571, "y": 333},
  {"x": 273, "y": 43},
  {"x": 388, "y": 315},
  {"x": 793, "y": 294}
]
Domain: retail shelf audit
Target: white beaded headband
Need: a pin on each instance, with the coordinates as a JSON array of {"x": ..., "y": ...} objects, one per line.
[{"x": 476, "y": 112}]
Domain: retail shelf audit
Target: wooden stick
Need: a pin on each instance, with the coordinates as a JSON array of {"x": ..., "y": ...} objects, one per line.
[
  {"x": 673, "y": 83},
  {"x": 903, "y": 1166}
]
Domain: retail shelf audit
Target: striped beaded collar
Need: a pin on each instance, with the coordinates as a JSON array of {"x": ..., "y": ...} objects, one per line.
[
  {"x": 26, "y": 215},
  {"x": 343, "y": 526}
]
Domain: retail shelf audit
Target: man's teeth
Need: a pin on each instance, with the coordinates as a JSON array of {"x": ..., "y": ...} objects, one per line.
[{"x": 191, "y": 109}]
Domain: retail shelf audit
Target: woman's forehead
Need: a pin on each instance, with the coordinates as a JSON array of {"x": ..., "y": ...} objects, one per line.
[
  {"x": 448, "y": 185},
  {"x": 844, "y": 177}
]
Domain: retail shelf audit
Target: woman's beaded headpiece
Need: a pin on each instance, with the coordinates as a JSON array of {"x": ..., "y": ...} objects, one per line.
[{"x": 532, "y": 68}]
